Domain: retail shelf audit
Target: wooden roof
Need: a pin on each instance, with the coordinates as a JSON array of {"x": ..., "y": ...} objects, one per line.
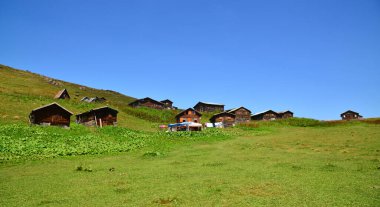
[
  {"x": 283, "y": 112},
  {"x": 183, "y": 112},
  {"x": 208, "y": 103},
  {"x": 52, "y": 104},
  {"x": 264, "y": 112},
  {"x": 59, "y": 94},
  {"x": 99, "y": 109},
  {"x": 349, "y": 111},
  {"x": 235, "y": 109},
  {"x": 143, "y": 100},
  {"x": 167, "y": 100}
]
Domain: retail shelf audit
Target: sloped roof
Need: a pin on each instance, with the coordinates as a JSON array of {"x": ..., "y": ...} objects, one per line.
[
  {"x": 166, "y": 100},
  {"x": 283, "y": 112},
  {"x": 85, "y": 98},
  {"x": 146, "y": 99},
  {"x": 59, "y": 94},
  {"x": 182, "y": 112},
  {"x": 54, "y": 103},
  {"x": 264, "y": 112},
  {"x": 349, "y": 111},
  {"x": 235, "y": 109},
  {"x": 209, "y": 103},
  {"x": 93, "y": 99},
  {"x": 97, "y": 109}
]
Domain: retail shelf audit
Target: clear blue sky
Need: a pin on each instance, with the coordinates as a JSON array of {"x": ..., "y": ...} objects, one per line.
[{"x": 317, "y": 58}]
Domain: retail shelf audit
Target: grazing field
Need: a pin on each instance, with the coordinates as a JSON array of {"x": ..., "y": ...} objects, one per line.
[
  {"x": 292, "y": 162},
  {"x": 270, "y": 165}
]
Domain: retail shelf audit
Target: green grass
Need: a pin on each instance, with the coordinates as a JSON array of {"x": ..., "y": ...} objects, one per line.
[
  {"x": 266, "y": 166},
  {"x": 20, "y": 142}
]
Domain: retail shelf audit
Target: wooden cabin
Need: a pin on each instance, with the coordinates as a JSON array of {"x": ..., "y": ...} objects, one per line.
[
  {"x": 349, "y": 115},
  {"x": 285, "y": 114},
  {"x": 168, "y": 103},
  {"x": 104, "y": 116},
  {"x": 266, "y": 115},
  {"x": 242, "y": 114},
  {"x": 208, "y": 107},
  {"x": 228, "y": 119},
  {"x": 189, "y": 115},
  {"x": 147, "y": 102},
  {"x": 52, "y": 114},
  {"x": 62, "y": 94}
]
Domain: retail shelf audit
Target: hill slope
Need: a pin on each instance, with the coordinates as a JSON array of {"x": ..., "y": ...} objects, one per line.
[{"x": 21, "y": 91}]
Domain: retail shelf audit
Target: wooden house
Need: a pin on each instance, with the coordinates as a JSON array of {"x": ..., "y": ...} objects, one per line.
[
  {"x": 285, "y": 114},
  {"x": 228, "y": 119},
  {"x": 242, "y": 114},
  {"x": 62, "y": 94},
  {"x": 189, "y": 115},
  {"x": 52, "y": 114},
  {"x": 168, "y": 103},
  {"x": 266, "y": 115},
  {"x": 147, "y": 102},
  {"x": 349, "y": 115},
  {"x": 208, "y": 107},
  {"x": 104, "y": 116}
]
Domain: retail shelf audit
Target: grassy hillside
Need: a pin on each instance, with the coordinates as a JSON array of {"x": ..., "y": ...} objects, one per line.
[{"x": 21, "y": 91}]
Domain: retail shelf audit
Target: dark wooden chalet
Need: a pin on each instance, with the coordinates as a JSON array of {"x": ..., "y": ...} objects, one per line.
[
  {"x": 189, "y": 115},
  {"x": 349, "y": 115},
  {"x": 242, "y": 114},
  {"x": 62, "y": 94},
  {"x": 147, "y": 102},
  {"x": 168, "y": 103},
  {"x": 52, "y": 114},
  {"x": 208, "y": 107},
  {"x": 228, "y": 119},
  {"x": 285, "y": 114},
  {"x": 104, "y": 116},
  {"x": 266, "y": 115}
]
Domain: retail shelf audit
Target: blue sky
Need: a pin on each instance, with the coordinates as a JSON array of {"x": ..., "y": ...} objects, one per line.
[{"x": 317, "y": 58}]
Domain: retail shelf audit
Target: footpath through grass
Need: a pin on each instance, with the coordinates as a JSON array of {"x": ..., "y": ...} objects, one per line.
[{"x": 264, "y": 166}]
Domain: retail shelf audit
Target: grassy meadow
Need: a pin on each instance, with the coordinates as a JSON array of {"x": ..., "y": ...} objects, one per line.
[
  {"x": 292, "y": 162},
  {"x": 264, "y": 166}
]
